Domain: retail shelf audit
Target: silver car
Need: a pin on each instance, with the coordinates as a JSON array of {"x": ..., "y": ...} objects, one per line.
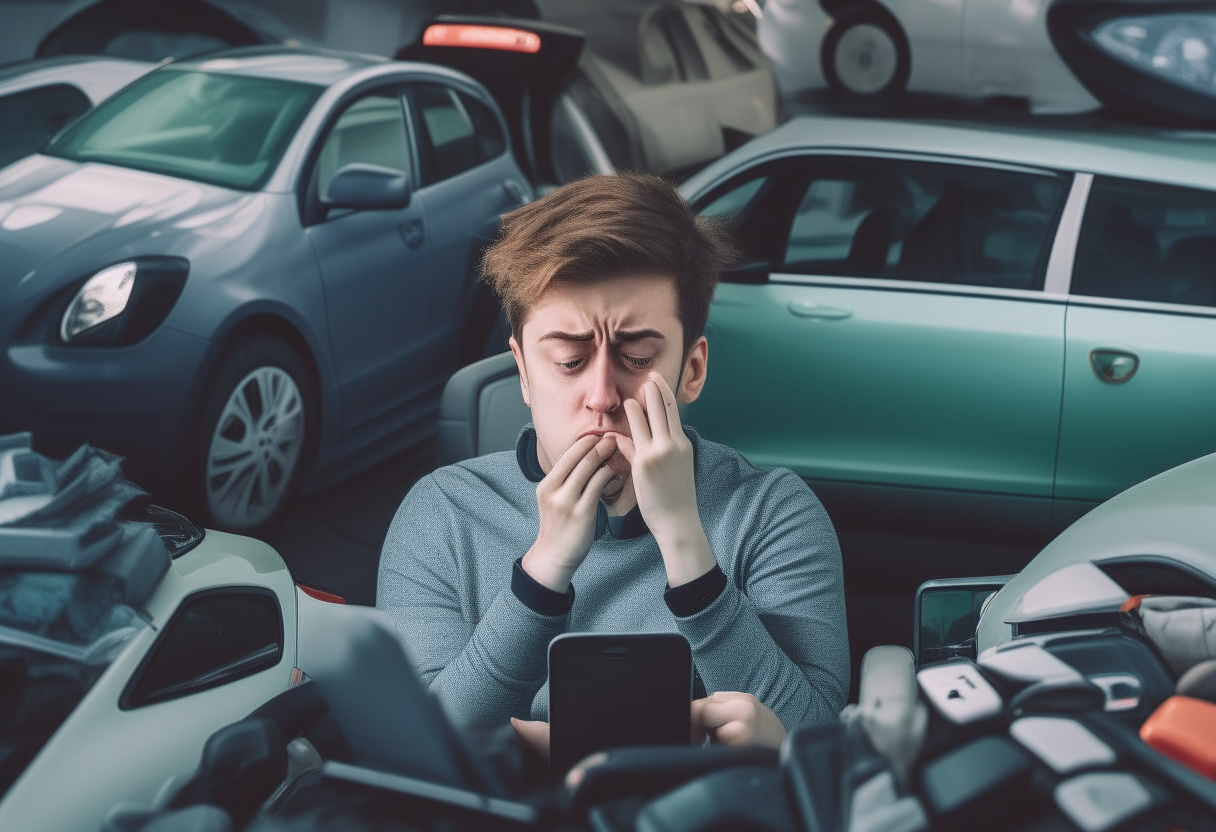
[{"x": 252, "y": 271}]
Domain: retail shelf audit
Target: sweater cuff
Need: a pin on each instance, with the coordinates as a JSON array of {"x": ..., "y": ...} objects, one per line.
[
  {"x": 694, "y": 596},
  {"x": 538, "y": 597}
]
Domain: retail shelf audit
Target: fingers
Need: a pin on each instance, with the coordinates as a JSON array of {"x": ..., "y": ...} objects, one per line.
[
  {"x": 639, "y": 428},
  {"x": 591, "y": 463},
  {"x": 534, "y": 733},
  {"x": 595, "y": 485},
  {"x": 656, "y": 412},
  {"x": 573, "y": 456}
]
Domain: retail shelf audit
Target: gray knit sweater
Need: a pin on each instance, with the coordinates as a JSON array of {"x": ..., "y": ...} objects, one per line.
[{"x": 776, "y": 631}]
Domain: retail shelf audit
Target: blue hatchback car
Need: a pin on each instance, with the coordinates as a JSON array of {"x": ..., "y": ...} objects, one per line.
[{"x": 252, "y": 270}]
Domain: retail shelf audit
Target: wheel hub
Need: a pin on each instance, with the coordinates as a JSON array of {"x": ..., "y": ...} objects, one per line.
[
  {"x": 254, "y": 449},
  {"x": 866, "y": 59}
]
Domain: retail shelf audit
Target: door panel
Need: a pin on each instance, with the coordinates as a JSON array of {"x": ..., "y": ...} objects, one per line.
[
  {"x": 944, "y": 391},
  {"x": 376, "y": 268},
  {"x": 902, "y": 344},
  {"x": 1144, "y": 285},
  {"x": 1113, "y": 435}
]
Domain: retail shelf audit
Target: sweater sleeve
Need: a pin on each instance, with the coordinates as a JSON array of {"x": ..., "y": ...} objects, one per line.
[
  {"x": 777, "y": 631},
  {"x": 483, "y": 671}
]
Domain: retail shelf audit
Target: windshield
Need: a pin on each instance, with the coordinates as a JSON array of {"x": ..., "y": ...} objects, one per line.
[{"x": 227, "y": 130}]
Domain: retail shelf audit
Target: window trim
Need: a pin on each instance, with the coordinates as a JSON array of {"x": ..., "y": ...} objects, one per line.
[
  {"x": 125, "y": 699},
  {"x": 423, "y": 147}
]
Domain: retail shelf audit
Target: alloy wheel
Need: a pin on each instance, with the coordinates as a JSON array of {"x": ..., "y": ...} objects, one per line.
[
  {"x": 254, "y": 449},
  {"x": 866, "y": 59}
]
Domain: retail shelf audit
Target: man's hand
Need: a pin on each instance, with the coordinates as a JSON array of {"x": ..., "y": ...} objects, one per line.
[
  {"x": 661, "y": 459},
  {"x": 534, "y": 733},
  {"x": 732, "y": 718},
  {"x": 568, "y": 497}
]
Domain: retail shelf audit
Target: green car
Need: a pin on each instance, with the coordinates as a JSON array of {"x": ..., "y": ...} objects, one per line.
[{"x": 963, "y": 337}]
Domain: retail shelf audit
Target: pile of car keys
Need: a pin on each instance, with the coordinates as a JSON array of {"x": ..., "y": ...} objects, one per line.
[{"x": 1106, "y": 726}]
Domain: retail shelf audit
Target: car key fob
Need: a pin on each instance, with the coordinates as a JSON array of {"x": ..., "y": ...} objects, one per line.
[{"x": 959, "y": 692}]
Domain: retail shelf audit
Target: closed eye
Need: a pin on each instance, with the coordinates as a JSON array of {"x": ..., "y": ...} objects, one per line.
[{"x": 636, "y": 362}]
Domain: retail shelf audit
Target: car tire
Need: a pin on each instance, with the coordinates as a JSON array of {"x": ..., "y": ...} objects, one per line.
[
  {"x": 865, "y": 54},
  {"x": 255, "y": 435}
]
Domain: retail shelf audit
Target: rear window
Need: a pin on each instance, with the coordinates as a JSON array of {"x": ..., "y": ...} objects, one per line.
[{"x": 225, "y": 130}]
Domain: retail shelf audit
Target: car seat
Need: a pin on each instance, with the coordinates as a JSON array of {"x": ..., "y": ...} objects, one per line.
[
  {"x": 1121, "y": 261},
  {"x": 1188, "y": 272},
  {"x": 871, "y": 242},
  {"x": 482, "y": 410}
]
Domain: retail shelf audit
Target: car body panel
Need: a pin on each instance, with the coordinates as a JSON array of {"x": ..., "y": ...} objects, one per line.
[
  {"x": 1113, "y": 435},
  {"x": 114, "y": 756},
  {"x": 907, "y": 390},
  {"x": 1169, "y": 515}
]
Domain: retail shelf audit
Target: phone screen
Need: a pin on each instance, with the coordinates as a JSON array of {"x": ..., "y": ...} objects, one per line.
[{"x": 613, "y": 691}]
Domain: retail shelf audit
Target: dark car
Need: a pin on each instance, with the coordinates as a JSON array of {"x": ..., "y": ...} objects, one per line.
[{"x": 252, "y": 270}]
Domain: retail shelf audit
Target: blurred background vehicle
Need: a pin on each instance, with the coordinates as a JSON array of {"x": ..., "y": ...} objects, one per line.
[
  {"x": 126, "y": 638},
  {"x": 1150, "y": 61},
  {"x": 252, "y": 269},
  {"x": 37, "y": 98},
  {"x": 962, "y": 336}
]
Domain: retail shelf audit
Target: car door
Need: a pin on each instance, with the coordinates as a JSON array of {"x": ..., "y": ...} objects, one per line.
[
  {"x": 469, "y": 180},
  {"x": 898, "y": 351},
  {"x": 375, "y": 264},
  {"x": 1140, "y": 374}
]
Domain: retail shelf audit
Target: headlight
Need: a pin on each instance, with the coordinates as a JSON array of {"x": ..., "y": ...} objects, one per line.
[
  {"x": 102, "y": 297},
  {"x": 1179, "y": 47},
  {"x": 1154, "y": 60},
  {"x": 122, "y": 304}
]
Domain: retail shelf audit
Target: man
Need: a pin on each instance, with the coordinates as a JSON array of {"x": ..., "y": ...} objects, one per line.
[{"x": 606, "y": 284}]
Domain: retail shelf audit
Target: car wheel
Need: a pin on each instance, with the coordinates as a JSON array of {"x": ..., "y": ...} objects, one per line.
[
  {"x": 866, "y": 54},
  {"x": 256, "y": 427}
]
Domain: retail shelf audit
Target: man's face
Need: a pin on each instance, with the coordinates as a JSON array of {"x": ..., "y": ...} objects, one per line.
[{"x": 587, "y": 347}]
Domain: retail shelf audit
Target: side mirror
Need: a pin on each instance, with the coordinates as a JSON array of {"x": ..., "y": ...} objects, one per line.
[
  {"x": 947, "y": 612},
  {"x": 368, "y": 187}
]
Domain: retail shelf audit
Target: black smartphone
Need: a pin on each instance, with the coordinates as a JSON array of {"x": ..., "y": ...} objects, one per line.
[{"x": 613, "y": 691}]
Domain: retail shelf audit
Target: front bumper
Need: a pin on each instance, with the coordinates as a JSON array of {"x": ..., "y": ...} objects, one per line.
[{"x": 132, "y": 400}]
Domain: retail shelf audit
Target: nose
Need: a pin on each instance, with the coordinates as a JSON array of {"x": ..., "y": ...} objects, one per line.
[{"x": 603, "y": 396}]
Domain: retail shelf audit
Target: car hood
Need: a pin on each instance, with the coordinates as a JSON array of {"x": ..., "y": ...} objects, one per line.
[
  {"x": 85, "y": 216},
  {"x": 1168, "y": 516}
]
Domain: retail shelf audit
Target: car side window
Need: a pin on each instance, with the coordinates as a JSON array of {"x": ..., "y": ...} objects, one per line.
[
  {"x": 214, "y": 638},
  {"x": 925, "y": 222},
  {"x": 457, "y": 131},
  {"x": 1142, "y": 241},
  {"x": 370, "y": 131},
  {"x": 30, "y": 117}
]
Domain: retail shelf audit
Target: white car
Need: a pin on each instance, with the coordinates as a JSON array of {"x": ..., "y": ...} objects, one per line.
[
  {"x": 38, "y": 97},
  {"x": 1065, "y": 56},
  {"x": 120, "y": 656}
]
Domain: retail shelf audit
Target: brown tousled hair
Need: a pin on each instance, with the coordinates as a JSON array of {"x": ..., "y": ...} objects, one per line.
[{"x": 606, "y": 226}]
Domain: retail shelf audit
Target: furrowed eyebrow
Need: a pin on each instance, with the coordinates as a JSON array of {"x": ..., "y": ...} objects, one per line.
[
  {"x": 626, "y": 336},
  {"x": 558, "y": 335},
  {"x": 621, "y": 336}
]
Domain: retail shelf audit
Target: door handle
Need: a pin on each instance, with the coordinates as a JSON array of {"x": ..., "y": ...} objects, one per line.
[
  {"x": 810, "y": 309},
  {"x": 1114, "y": 366},
  {"x": 412, "y": 232}
]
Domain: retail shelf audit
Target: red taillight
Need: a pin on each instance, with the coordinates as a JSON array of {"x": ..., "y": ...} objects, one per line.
[
  {"x": 481, "y": 37},
  {"x": 320, "y": 594}
]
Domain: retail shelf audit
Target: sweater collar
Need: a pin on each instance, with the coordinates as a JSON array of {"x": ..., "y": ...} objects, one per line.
[{"x": 623, "y": 527}]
